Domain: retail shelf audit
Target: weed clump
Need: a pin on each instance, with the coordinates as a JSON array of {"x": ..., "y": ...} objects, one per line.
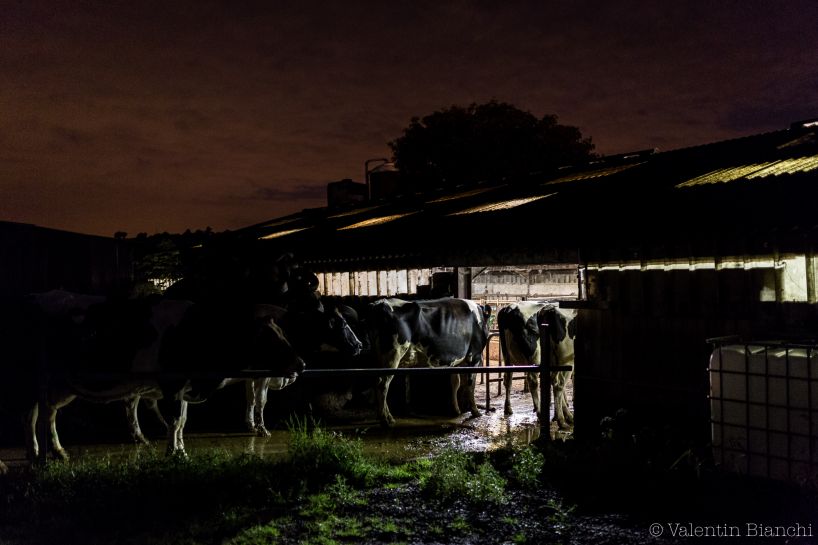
[
  {"x": 453, "y": 475},
  {"x": 317, "y": 456},
  {"x": 527, "y": 466}
]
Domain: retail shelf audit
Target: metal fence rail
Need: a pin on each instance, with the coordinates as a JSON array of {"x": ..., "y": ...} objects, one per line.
[
  {"x": 47, "y": 378},
  {"x": 544, "y": 368}
]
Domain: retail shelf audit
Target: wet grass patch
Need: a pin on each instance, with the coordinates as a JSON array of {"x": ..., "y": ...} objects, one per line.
[{"x": 328, "y": 492}]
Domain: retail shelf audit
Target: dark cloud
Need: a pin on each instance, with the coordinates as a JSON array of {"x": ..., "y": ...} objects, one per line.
[
  {"x": 303, "y": 192},
  {"x": 143, "y": 117}
]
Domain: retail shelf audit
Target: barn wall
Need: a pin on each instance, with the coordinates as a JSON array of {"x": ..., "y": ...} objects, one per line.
[
  {"x": 643, "y": 340},
  {"x": 34, "y": 259}
]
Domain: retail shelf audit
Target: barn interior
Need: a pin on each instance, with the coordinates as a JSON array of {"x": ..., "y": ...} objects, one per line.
[{"x": 658, "y": 252}]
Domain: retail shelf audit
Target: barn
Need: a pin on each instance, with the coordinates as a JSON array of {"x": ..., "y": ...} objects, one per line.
[
  {"x": 664, "y": 252},
  {"x": 37, "y": 259}
]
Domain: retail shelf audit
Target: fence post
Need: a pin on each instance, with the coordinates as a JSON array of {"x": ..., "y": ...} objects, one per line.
[
  {"x": 545, "y": 382},
  {"x": 487, "y": 376}
]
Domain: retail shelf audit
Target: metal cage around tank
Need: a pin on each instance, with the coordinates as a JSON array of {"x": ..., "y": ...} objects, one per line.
[{"x": 764, "y": 408}]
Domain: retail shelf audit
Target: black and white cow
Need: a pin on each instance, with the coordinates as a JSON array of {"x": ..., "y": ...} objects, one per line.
[
  {"x": 310, "y": 332},
  {"x": 176, "y": 338},
  {"x": 30, "y": 327},
  {"x": 520, "y": 342},
  {"x": 440, "y": 332}
]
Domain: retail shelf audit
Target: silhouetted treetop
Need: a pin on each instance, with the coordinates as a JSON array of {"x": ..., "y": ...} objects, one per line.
[{"x": 462, "y": 145}]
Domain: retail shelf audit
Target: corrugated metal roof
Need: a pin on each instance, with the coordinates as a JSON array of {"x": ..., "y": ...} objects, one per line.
[
  {"x": 376, "y": 221},
  {"x": 279, "y": 222},
  {"x": 755, "y": 170},
  {"x": 604, "y": 219},
  {"x": 587, "y": 175},
  {"x": 282, "y": 233},
  {"x": 354, "y": 212},
  {"x": 500, "y": 205},
  {"x": 461, "y": 195}
]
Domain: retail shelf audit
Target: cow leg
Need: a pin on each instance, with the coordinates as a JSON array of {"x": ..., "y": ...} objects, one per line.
[
  {"x": 180, "y": 440},
  {"x": 131, "y": 406},
  {"x": 3, "y": 468},
  {"x": 250, "y": 406},
  {"x": 381, "y": 390},
  {"x": 569, "y": 416},
  {"x": 261, "y": 401},
  {"x": 508, "y": 411},
  {"x": 176, "y": 422},
  {"x": 562, "y": 414},
  {"x": 59, "y": 451},
  {"x": 470, "y": 382},
  {"x": 455, "y": 381},
  {"x": 392, "y": 360},
  {"x": 533, "y": 382},
  {"x": 30, "y": 430}
]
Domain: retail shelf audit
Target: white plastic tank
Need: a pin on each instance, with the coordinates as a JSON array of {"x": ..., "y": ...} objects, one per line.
[{"x": 764, "y": 410}]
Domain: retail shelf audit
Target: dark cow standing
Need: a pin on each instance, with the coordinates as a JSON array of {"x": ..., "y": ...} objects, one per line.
[
  {"x": 520, "y": 343},
  {"x": 129, "y": 337},
  {"x": 441, "y": 332},
  {"x": 294, "y": 303},
  {"x": 30, "y": 328},
  {"x": 310, "y": 333}
]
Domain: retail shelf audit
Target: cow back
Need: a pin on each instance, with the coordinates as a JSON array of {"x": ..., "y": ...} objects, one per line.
[{"x": 444, "y": 330}]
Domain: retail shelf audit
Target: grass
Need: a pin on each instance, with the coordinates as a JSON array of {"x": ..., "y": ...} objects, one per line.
[
  {"x": 327, "y": 492},
  {"x": 455, "y": 474},
  {"x": 212, "y": 496},
  {"x": 317, "y": 493}
]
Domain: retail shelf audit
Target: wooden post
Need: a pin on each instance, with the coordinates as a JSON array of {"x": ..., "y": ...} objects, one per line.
[
  {"x": 463, "y": 282},
  {"x": 809, "y": 259}
]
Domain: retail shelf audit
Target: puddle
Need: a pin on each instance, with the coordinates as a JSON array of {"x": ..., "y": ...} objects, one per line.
[{"x": 412, "y": 437}]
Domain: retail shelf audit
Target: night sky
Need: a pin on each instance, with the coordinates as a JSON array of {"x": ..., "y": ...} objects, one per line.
[{"x": 166, "y": 116}]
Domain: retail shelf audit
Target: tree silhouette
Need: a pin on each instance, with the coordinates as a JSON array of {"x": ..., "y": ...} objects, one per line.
[{"x": 491, "y": 141}]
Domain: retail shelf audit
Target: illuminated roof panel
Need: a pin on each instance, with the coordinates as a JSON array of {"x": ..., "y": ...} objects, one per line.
[
  {"x": 276, "y": 223},
  {"x": 593, "y": 174},
  {"x": 353, "y": 212},
  {"x": 282, "y": 233},
  {"x": 376, "y": 221},
  {"x": 756, "y": 170},
  {"x": 501, "y": 205},
  {"x": 462, "y": 195},
  {"x": 788, "y": 166}
]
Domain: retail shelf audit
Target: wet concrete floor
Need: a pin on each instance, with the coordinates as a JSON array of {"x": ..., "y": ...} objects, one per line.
[{"x": 412, "y": 437}]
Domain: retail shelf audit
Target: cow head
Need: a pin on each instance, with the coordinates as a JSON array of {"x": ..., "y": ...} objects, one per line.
[
  {"x": 314, "y": 330},
  {"x": 339, "y": 334},
  {"x": 273, "y": 351}
]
